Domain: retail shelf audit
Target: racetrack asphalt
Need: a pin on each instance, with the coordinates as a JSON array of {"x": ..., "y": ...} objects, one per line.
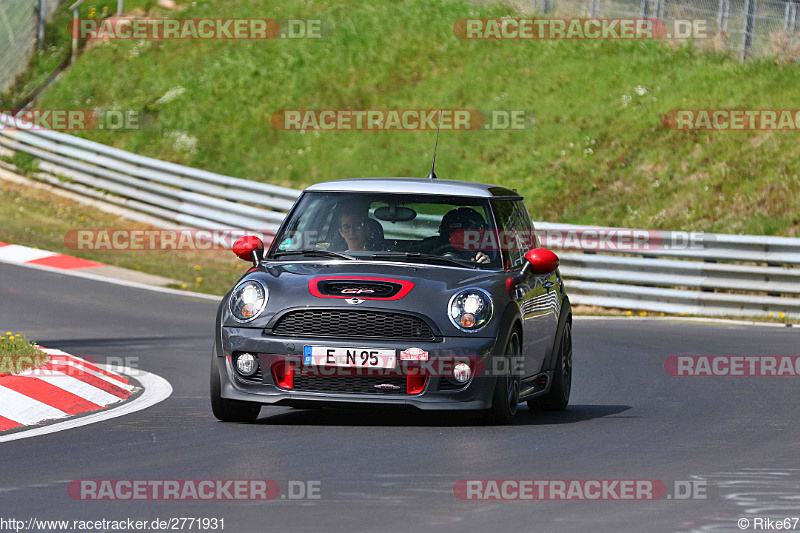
[{"x": 395, "y": 471}]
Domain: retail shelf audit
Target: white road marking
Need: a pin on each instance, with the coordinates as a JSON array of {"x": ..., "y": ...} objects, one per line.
[
  {"x": 38, "y": 373},
  {"x": 79, "y": 388},
  {"x": 22, "y": 254},
  {"x": 26, "y": 410}
]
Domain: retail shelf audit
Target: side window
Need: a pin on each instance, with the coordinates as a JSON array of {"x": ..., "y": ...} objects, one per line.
[
  {"x": 511, "y": 223},
  {"x": 527, "y": 232}
]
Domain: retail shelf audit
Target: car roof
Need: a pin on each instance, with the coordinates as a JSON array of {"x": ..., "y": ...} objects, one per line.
[{"x": 415, "y": 186}]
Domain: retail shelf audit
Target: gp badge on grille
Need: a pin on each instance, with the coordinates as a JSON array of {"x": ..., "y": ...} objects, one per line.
[{"x": 366, "y": 288}]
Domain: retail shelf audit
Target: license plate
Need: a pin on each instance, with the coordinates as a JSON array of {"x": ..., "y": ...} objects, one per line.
[{"x": 349, "y": 357}]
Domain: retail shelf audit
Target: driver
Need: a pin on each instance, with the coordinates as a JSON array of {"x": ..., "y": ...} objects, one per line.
[
  {"x": 358, "y": 231},
  {"x": 459, "y": 220}
]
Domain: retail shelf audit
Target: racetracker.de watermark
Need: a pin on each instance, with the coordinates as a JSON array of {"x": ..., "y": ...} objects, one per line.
[
  {"x": 580, "y": 28},
  {"x": 577, "y": 490},
  {"x": 45, "y": 365},
  {"x": 733, "y": 119},
  {"x": 193, "y": 489},
  {"x": 132, "y": 240},
  {"x": 401, "y": 119},
  {"x": 159, "y": 29},
  {"x": 71, "y": 120},
  {"x": 596, "y": 240},
  {"x": 733, "y": 365}
]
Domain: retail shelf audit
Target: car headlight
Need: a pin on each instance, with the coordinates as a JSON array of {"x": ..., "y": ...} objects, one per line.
[
  {"x": 470, "y": 309},
  {"x": 248, "y": 299}
]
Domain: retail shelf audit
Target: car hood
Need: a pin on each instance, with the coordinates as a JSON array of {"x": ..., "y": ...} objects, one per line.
[{"x": 433, "y": 286}]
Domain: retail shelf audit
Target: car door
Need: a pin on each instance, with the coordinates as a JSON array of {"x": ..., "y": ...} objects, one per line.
[{"x": 536, "y": 295}]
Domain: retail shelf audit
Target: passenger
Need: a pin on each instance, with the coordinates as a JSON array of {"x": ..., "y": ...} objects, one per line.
[{"x": 460, "y": 219}]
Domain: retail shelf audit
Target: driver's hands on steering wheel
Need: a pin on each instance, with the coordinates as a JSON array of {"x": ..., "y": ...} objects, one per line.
[{"x": 481, "y": 257}]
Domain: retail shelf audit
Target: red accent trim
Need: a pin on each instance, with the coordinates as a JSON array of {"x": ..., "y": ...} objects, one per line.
[
  {"x": 49, "y": 394},
  {"x": 510, "y": 285},
  {"x": 65, "y": 262},
  {"x": 542, "y": 261},
  {"x": 283, "y": 374},
  {"x": 415, "y": 383},
  {"x": 313, "y": 289},
  {"x": 5, "y": 423},
  {"x": 4, "y": 244},
  {"x": 244, "y": 247}
]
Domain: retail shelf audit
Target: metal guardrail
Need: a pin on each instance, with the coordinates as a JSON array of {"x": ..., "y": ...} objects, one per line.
[
  {"x": 705, "y": 279},
  {"x": 173, "y": 193}
]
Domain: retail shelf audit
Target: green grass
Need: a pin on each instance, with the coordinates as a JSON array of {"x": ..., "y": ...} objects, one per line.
[
  {"x": 31, "y": 217},
  {"x": 26, "y": 163},
  {"x": 598, "y": 153},
  {"x": 58, "y": 46},
  {"x": 17, "y": 354}
]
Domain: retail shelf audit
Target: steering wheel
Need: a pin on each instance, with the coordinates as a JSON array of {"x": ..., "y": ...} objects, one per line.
[{"x": 445, "y": 249}]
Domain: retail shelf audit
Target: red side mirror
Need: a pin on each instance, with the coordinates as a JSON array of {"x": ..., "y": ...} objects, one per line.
[
  {"x": 245, "y": 246},
  {"x": 542, "y": 261}
]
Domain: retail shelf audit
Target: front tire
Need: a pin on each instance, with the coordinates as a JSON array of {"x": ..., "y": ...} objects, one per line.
[
  {"x": 506, "y": 392},
  {"x": 229, "y": 410},
  {"x": 558, "y": 397}
]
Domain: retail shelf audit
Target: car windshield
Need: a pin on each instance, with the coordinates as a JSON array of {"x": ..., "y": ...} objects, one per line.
[{"x": 404, "y": 227}]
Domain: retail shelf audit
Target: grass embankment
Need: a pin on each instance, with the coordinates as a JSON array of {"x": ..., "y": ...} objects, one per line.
[
  {"x": 598, "y": 153},
  {"x": 17, "y": 354}
]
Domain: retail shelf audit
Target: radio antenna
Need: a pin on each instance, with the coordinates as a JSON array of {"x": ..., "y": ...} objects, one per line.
[{"x": 432, "y": 175}]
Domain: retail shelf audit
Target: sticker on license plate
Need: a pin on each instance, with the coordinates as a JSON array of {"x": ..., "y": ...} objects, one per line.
[{"x": 349, "y": 357}]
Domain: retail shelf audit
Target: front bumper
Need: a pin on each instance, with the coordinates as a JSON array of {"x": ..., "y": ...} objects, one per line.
[{"x": 475, "y": 395}]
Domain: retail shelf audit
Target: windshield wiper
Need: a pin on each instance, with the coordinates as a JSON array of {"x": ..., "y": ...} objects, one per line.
[
  {"x": 424, "y": 257},
  {"x": 314, "y": 251}
]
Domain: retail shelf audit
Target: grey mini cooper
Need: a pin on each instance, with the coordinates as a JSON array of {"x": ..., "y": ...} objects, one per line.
[{"x": 426, "y": 293}]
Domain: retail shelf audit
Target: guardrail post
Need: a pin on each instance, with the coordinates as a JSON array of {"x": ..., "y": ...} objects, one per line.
[
  {"x": 75, "y": 22},
  {"x": 40, "y": 24},
  {"x": 76, "y": 15},
  {"x": 594, "y": 8},
  {"x": 747, "y": 33},
  {"x": 789, "y": 18},
  {"x": 119, "y": 7},
  {"x": 723, "y": 12},
  {"x": 547, "y": 6}
]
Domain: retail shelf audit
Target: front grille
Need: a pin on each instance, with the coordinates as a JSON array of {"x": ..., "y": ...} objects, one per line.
[
  {"x": 313, "y": 382},
  {"x": 258, "y": 377},
  {"x": 353, "y": 325},
  {"x": 446, "y": 384},
  {"x": 370, "y": 289}
]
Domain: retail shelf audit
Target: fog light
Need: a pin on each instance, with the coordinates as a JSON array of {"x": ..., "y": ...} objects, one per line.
[
  {"x": 246, "y": 364},
  {"x": 462, "y": 372}
]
